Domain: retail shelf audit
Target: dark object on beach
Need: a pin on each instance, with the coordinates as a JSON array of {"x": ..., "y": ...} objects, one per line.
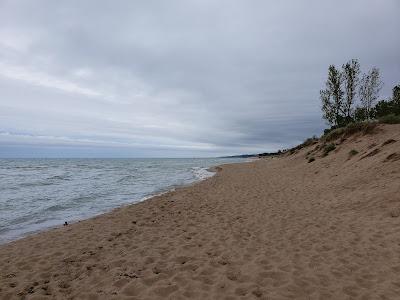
[
  {"x": 65, "y": 223},
  {"x": 353, "y": 152},
  {"x": 395, "y": 213}
]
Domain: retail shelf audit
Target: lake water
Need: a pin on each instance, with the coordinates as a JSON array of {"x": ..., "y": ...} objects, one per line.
[{"x": 36, "y": 194}]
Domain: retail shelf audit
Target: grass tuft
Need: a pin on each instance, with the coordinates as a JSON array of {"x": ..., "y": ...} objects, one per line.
[
  {"x": 353, "y": 152},
  {"x": 308, "y": 142},
  {"x": 350, "y": 129},
  {"x": 328, "y": 148}
]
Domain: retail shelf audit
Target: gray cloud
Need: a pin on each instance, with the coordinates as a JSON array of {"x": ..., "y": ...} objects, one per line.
[{"x": 179, "y": 78}]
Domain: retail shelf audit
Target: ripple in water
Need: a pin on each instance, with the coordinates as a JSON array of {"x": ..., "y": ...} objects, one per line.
[{"x": 40, "y": 193}]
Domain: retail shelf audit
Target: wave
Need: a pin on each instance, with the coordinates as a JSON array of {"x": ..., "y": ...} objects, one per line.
[
  {"x": 127, "y": 178},
  {"x": 57, "y": 207},
  {"x": 73, "y": 190},
  {"x": 36, "y": 183},
  {"x": 202, "y": 173},
  {"x": 60, "y": 177}
]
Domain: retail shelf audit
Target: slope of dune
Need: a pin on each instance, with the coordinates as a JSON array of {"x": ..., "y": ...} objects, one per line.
[{"x": 276, "y": 228}]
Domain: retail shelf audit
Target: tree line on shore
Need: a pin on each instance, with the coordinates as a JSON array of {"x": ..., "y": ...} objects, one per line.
[{"x": 351, "y": 97}]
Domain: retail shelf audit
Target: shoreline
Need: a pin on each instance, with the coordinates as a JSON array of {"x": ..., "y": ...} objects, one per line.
[
  {"x": 280, "y": 228},
  {"x": 212, "y": 169}
]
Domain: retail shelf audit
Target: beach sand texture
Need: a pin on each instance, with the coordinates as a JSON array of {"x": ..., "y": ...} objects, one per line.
[{"x": 276, "y": 228}]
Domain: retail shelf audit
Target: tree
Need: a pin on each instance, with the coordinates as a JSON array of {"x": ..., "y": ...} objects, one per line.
[
  {"x": 360, "y": 114},
  {"x": 396, "y": 100},
  {"x": 396, "y": 94},
  {"x": 351, "y": 72},
  {"x": 382, "y": 108},
  {"x": 369, "y": 88},
  {"x": 390, "y": 106},
  {"x": 332, "y": 97},
  {"x": 327, "y": 106}
]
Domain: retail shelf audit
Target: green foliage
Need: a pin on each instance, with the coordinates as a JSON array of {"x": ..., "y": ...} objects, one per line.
[
  {"x": 333, "y": 134},
  {"x": 368, "y": 91},
  {"x": 328, "y": 130},
  {"x": 332, "y": 96},
  {"x": 339, "y": 96},
  {"x": 363, "y": 127},
  {"x": 360, "y": 114},
  {"x": 383, "y": 108},
  {"x": 390, "y": 106},
  {"x": 353, "y": 152},
  {"x": 351, "y": 72},
  {"x": 390, "y": 119},
  {"x": 342, "y": 89},
  {"x": 328, "y": 148},
  {"x": 352, "y": 128},
  {"x": 396, "y": 93},
  {"x": 310, "y": 141}
]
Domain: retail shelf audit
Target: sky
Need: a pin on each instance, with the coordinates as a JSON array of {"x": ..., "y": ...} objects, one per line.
[{"x": 189, "y": 78}]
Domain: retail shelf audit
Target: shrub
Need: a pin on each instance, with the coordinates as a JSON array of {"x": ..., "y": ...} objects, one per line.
[
  {"x": 328, "y": 130},
  {"x": 310, "y": 141},
  {"x": 363, "y": 127},
  {"x": 333, "y": 134},
  {"x": 353, "y": 152},
  {"x": 311, "y": 159},
  {"x": 390, "y": 106},
  {"x": 352, "y": 128},
  {"x": 390, "y": 119},
  {"x": 328, "y": 148}
]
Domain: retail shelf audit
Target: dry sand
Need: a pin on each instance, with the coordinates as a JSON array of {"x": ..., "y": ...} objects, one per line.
[{"x": 279, "y": 228}]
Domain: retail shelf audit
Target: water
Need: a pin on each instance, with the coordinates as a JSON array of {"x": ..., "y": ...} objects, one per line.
[{"x": 36, "y": 194}]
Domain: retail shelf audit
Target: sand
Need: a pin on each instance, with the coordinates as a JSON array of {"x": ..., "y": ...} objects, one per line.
[{"x": 276, "y": 228}]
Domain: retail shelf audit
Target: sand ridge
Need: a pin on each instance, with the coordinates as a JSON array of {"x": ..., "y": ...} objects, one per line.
[{"x": 277, "y": 228}]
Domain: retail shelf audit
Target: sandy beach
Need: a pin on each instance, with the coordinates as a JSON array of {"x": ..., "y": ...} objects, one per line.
[{"x": 275, "y": 228}]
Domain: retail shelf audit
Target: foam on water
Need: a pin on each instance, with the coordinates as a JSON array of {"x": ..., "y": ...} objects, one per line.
[
  {"x": 36, "y": 194},
  {"x": 202, "y": 173}
]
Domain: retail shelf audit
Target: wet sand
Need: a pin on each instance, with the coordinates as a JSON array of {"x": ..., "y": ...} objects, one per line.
[{"x": 276, "y": 228}]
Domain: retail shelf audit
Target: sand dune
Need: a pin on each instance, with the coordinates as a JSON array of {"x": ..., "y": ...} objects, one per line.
[{"x": 277, "y": 228}]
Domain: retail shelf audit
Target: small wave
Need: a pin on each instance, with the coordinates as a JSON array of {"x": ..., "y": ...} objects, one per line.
[
  {"x": 127, "y": 178},
  {"x": 80, "y": 189},
  {"x": 33, "y": 184},
  {"x": 56, "y": 207},
  {"x": 29, "y": 168},
  {"x": 202, "y": 173},
  {"x": 82, "y": 165},
  {"x": 59, "y": 177}
]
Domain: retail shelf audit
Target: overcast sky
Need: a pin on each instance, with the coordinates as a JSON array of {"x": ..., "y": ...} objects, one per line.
[{"x": 179, "y": 78}]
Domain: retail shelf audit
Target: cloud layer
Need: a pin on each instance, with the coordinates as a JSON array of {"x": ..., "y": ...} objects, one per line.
[{"x": 178, "y": 78}]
